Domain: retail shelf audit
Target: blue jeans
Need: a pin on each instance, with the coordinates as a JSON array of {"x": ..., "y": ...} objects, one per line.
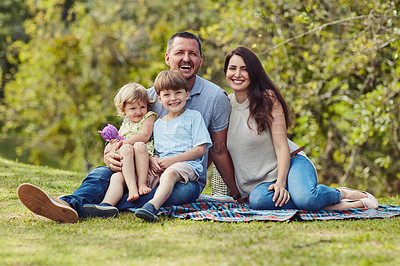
[
  {"x": 302, "y": 184},
  {"x": 94, "y": 188}
]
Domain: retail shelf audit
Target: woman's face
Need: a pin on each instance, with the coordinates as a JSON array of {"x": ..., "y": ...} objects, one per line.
[{"x": 236, "y": 74}]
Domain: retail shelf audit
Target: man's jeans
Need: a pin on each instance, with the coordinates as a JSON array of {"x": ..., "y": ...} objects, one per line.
[
  {"x": 302, "y": 184},
  {"x": 95, "y": 185}
]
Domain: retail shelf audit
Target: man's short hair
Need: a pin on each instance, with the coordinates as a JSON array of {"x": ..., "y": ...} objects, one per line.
[
  {"x": 187, "y": 35},
  {"x": 170, "y": 80}
]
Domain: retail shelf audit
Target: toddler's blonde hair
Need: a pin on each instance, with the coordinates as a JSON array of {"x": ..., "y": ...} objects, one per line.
[{"x": 130, "y": 93}]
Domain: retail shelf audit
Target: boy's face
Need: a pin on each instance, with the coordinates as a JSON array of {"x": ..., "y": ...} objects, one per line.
[
  {"x": 135, "y": 111},
  {"x": 173, "y": 100}
]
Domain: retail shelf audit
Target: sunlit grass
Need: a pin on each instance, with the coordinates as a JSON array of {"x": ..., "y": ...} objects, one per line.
[{"x": 27, "y": 239}]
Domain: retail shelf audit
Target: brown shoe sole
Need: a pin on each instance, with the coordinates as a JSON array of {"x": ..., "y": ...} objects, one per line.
[{"x": 42, "y": 204}]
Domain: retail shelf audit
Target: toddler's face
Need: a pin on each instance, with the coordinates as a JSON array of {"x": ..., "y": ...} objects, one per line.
[{"x": 135, "y": 111}]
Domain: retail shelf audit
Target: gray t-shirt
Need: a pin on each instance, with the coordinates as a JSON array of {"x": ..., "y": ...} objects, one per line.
[{"x": 213, "y": 104}]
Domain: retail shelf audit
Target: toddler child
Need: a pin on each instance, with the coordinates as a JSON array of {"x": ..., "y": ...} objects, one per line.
[{"x": 132, "y": 102}]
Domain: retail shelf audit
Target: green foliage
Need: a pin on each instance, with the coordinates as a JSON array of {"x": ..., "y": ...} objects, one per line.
[
  {"x": 69, "y": 73},
  {"x": 337, "y": 64},
  {"x": 12, "y": 15},
  {"x": 331, "y": 61}
]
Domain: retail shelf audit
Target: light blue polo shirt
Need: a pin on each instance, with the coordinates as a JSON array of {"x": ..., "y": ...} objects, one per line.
[{"x": 213, "y": 104}]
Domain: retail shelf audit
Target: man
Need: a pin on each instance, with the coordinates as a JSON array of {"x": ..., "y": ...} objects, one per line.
[{"x": 184, "y": 53}]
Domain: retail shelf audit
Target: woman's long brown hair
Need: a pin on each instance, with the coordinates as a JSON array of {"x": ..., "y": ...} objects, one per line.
[{"x": 258, "y": 93}]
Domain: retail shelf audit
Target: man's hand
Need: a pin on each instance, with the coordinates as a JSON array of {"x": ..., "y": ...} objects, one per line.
[
  {"x": 111, "y": 158},
  {"x": 245, "y": 200}
]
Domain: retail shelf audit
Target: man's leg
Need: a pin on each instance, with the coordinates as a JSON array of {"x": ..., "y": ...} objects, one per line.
[
  {"x": 92, "y": 190},
  {"x": 181, "y": 194},
  {"x": 67, "y": 209},
  {"x": 42, "y": 204}
]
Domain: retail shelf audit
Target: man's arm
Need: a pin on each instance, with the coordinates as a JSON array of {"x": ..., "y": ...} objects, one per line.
[
  {"x": 222, "y": 160},
  {"x": 113, "y": 159}
]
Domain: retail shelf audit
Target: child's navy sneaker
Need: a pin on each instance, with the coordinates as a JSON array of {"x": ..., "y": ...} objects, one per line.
[
  {"x": 147, "y": 212},
  {"x": 99, "y": 210}
]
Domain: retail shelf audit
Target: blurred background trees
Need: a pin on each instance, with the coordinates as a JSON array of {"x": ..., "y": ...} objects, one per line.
[{"x": 337, "y": 64}]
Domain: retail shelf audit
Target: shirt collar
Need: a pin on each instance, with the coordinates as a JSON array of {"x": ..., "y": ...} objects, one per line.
[{"x": 197, "y": 86}]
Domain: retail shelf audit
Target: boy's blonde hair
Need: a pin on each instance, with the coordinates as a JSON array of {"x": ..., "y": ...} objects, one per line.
[
  {"x": 130, "y": 93},
  {"x": 170, "y": 80}
]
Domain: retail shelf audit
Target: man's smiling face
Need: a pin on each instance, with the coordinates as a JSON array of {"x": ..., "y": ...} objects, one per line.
[{"x": 185, "y": 57}]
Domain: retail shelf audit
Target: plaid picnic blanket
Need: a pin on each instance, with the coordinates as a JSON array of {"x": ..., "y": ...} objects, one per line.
[{"x": 225, "y": 209}]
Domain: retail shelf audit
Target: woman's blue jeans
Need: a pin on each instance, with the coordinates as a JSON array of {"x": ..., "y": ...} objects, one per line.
[
  {"x": 95, "y": 185},
  {"x": 302, "y": 184}
]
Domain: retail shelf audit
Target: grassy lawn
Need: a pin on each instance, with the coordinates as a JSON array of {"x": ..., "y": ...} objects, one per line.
[{"x": 27, "y": 239}]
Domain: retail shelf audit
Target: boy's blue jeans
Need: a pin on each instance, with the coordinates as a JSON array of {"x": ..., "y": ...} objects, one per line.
[
  {"x": 302, "y": 184},
  {"x": 95, "y": 185}
]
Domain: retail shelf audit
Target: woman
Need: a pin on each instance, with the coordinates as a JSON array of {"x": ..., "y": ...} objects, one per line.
[{"x": 265, "y": 171}]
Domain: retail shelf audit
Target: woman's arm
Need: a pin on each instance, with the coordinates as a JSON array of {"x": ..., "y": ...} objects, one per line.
[{"x": 279, "y": 139}]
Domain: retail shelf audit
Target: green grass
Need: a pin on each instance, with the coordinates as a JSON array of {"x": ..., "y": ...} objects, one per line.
[{"x": 27, "y": 239}]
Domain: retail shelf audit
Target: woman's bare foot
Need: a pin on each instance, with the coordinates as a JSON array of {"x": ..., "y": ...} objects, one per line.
[
  {"x": 133, "y": 195},
  {"x": 343, "y": 205},
  {"x": 144, "y": 189}
]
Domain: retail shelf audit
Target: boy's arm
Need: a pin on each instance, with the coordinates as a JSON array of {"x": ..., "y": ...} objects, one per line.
[
  {"x": 144, "y": 134},
  {"x": 190, "y": 155}
]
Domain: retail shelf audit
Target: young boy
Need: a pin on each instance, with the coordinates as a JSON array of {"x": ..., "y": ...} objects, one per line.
[{"x": 180, "y": 140}]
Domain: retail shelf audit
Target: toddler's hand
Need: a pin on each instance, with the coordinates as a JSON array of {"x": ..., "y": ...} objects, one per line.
[{"x": 154, "y": 166}]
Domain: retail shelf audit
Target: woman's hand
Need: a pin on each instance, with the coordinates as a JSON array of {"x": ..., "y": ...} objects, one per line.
[{"x": 281, "y": 195}]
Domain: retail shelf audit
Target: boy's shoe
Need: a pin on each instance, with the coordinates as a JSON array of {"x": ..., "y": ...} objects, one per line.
[
  {"x": 147, "y": 212},
  {"x": 42, "y": 204},
  {"x": 99, "y": 210}
]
